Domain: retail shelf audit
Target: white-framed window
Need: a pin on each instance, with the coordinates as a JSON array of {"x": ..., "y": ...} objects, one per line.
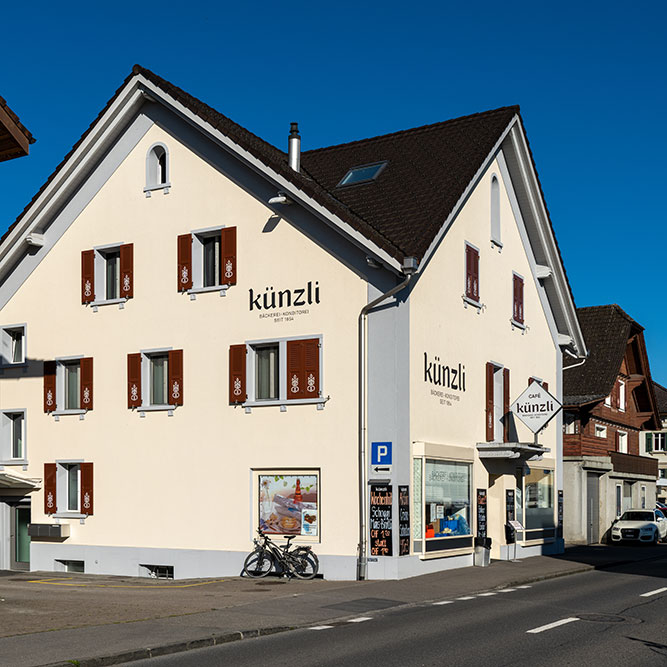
[
  {"x": 600, "y": 431},
  {"x": 107, "y": 275},
  {"x": 570, "y": 425},
  {"x": 155, "y": 380},
  {"x": 621, "y": 395},
  {"x": 157, "y": 370},
  {"x": 607, "y": 401},
  {"x": 277, "y": 372},
  {"x": 660, "y": 442},
  {"x": 12, "y": 437},
  {"x": 619, "y": 500},
  {"x": 207, "y": 260},
  {"x": 69, "y": 487},
  {"x": 288, "y": 502},
  {"x": 68, "y": 386},
  {"x": 495, "y": 211},
  {"x": 13, "y": 345},
  {"x": 662, "y": 473},
  {"x": 157, "y": 169},
  {"x": 642, "y": 501},
  {"x": 622, "y": 442}
]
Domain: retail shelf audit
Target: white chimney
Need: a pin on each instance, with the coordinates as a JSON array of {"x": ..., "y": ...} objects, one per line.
[{"x": 294, "y": 152}]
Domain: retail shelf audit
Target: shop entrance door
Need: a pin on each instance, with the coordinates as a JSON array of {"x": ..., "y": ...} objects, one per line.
[
  {"x": 19, "y": 542},
  {"x": 592, "y": 508}
]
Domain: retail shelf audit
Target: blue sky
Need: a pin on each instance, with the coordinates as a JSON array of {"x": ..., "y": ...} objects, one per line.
[{"x": 590, "y": 79}]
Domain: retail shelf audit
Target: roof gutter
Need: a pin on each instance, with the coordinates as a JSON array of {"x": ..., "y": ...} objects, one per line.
[{"x": 409, "y": 268}]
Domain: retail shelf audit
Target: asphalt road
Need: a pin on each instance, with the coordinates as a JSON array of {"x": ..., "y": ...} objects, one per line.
[{"x": 613, "y": 617}]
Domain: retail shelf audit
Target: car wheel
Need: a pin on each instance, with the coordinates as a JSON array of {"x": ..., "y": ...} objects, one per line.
[{"x": 656, "y": 539}]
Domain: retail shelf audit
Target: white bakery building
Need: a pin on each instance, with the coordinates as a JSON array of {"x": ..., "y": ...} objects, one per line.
[{"x": 201, "y": 333}]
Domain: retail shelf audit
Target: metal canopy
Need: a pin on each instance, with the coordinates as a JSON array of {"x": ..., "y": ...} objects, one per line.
[
  {"x": 511, "y": 450},
  {"x": 11, "y": 481}
]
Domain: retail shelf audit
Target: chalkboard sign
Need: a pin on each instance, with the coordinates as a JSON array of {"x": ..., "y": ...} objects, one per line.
[
  {"x": 509, "y": 506},
  {"x": 481, "y": 512},
  {"x": 403, "y": 520},
  {"x": 560, "y": 513},
  {"x": 381, "y": 520}
]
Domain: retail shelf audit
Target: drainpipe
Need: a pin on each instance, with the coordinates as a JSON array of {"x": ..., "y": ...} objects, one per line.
[
  {"x": 584, "y": 359},
  {"x": 409, "y": 268}
]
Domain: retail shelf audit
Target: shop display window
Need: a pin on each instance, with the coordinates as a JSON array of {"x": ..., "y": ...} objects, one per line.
[
  {"x": 447, "y": 491},
  {"x": 539, "y": 498},
  {"x": 289, "y": 503}
]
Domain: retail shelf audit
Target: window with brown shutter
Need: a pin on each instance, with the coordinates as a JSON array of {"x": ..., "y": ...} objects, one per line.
[
  {"x": 472, "y": 273},
  {"x": 50, "y": 495},
  {"x": 49, "y": 386},
  {"x": 489, "y": 402},
  {"x": 237, "y": 374},
  {"x": 134, "y": 380},
  {"x": 296, "y": 369},
  {"x": 507, "y": 417},
  {"x": 228, "y": 256},
  {"x": 87, "y": 276},
  {"x": 175, "y": 371},
  {"x": 517, "y": 310},
  {"x": 86, "y": 387},
  {"x": 184, "y": 262},
  {"x": 312, "y": 367},
  {"x": 86, "y": 502},
  {"x": 127, "y": 271}
]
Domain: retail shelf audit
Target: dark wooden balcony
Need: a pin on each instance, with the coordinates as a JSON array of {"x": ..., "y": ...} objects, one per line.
[{"x": 633, "y": 464}]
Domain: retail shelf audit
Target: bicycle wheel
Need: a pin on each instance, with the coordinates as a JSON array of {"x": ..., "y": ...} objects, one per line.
[
  {"x": 306, "y": 564},
  {"x": 258, "y": 564}
]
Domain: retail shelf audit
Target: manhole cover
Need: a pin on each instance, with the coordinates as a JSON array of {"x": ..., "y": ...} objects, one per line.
[
  {"x": 601, "y": 618},
  {"x": 364, "y": 604}
]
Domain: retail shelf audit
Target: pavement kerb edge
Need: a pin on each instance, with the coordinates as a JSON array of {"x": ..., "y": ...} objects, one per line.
[{"x": 215, "y": 640}]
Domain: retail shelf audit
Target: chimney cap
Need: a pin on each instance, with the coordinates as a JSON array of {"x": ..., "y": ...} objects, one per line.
[{"x": 294, "y": 130}]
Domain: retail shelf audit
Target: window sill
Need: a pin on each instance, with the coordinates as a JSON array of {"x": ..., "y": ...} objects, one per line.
[
  {"x": 203, "y": 290},
  {"x": 57, "y": 414},
  {"x": 108, "y": 302},
  {"x": 143, "y": 409},
  {"x": 496, "y": 244},
  {"x": 467, "y": 301},
  {"x": 283, "y": 403},
  {"x": 70, "y": 515},
  {"x": 518, "y": 325},
  {"x": 152, "y": 188},
  {"x": 15, "y": 462},
  {"x": 18, "y": 364},
  {"x": 446, "y": 553}
]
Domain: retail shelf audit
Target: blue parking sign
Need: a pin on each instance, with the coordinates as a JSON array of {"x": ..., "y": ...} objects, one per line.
[{"x": 381, "y": 453}]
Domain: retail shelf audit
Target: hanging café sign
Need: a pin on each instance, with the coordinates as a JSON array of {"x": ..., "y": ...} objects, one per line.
[{"x": 535, "y": 407}]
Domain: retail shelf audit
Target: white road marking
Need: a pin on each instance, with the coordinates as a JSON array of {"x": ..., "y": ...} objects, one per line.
[
  {"x": 485, "y": 595},
  {"x": 444, "y": 602},
  {"x": 655, "y": 592},
  {"x": 361, "y": 619},
  {"x": 507, "y": 590},
  {"x": 467, "y": 597},
  {"x": 321, "y": 627},
  {"x": 550, "y": 626},
  {"x": 524, "y": 586}
]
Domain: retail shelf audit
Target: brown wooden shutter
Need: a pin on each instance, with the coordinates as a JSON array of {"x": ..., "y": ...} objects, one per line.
[
  {"x": 50, "y": 477},
  {"x": 517, "y": 312},
  {"x": 86, "y": 503},
  {"x": 127, "y": 270},
  {"x": 175, "y": 377},
  {"x": 296, "y": 369},
  {"x": 546, "y": 386},
  {"x": 489, "y": 402},
  {"x": 86, "y": 389},
  {"x": 228, "y": 256},
  {"x": 87, "y": 276},
  {"x": 184, "y": 262},
  {"x": 311, "y": 356},
  {"x": 134, "y": 380},
  {"x": 237, "y": 374},
  {"x": 616, "y": 441},
  {"x": 506, "y": 404},
  {"x": 49, "y": 386}
]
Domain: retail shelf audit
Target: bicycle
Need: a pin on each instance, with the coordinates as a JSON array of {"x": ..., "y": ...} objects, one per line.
[{"x": 299, "y": 561}]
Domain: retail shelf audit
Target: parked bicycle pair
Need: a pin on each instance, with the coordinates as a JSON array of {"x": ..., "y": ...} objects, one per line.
[{"x": 289, "y": 560}]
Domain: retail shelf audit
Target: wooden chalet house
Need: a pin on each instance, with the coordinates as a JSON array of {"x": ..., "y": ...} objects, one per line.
[
  {"x": 654, "y": 443},
  {"x": 15, "y": 139},
  {"x": 608, "y": 401}
]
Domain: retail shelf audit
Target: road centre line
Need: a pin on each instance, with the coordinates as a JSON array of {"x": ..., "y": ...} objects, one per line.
[
  {"x": 550, "y": 626},
  {"x": 361, "y": 619},
  {"x": 524, "y": 586},
  {"x": 507, "y": 590},
  {"x": 655, "y": 592},
  {"x": 485, "y": 595},
  {"x": 443, "y": 602},
  {"x": 467, "y": 597},
  {"x": 321, "y": 627}
]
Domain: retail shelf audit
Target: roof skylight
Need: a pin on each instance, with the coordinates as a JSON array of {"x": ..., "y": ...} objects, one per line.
[{"x": 362, "y": 174}]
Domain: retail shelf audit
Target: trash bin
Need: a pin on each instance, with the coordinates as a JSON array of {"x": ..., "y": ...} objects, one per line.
[{"x": 482, "y": 557}]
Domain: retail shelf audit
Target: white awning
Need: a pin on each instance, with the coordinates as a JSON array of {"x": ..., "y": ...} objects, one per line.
[
  {"x": 9, "y": 480},
  {"x": 511, "y": 450}
]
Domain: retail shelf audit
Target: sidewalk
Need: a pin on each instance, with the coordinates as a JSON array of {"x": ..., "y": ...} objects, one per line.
[{"x": 49, "y": 619}]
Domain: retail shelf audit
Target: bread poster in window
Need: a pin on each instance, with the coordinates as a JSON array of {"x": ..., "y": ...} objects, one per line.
[{"x": 288, "y": 504}]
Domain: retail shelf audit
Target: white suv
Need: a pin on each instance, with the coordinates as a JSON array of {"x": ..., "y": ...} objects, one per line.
[{"x": 640, "y": 526}]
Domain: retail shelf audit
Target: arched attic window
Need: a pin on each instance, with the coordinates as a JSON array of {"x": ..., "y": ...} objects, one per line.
[
  {"x": 157, "y": 169},
  {"x": 495, "y": 211}
]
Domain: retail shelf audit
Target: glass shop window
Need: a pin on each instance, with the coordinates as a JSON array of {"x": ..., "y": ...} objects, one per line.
[{"x": 447, "y": 491}]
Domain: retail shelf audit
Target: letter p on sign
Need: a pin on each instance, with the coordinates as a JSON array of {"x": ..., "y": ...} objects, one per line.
[{"x": 381, "y": 453}]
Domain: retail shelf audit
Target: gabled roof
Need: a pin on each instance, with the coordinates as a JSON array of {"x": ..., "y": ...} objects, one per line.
[
  {"x": 403, "y": 213},
  {"x": 661, "y": 398},
  {"x": 606, "y": 330},
  {"x": 14, "y": 137}
]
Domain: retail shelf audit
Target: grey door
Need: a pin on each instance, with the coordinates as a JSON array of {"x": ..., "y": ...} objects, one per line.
[
  {"x": 19, "y": 539},
  {"x": 592, "y": 509}
]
